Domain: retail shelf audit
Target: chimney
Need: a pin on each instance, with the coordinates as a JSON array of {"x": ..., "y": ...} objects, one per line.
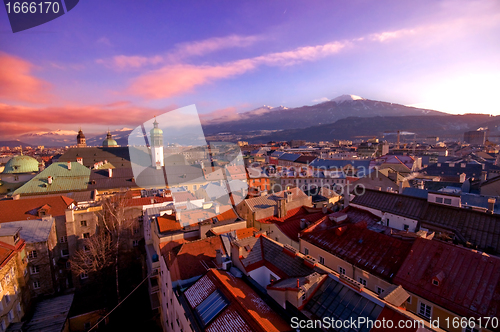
[
  {"x": 324, "y": 209},
  {"x": 302, "y": 223},
  {"x": 347, "y": 199},
  {"x": 69, "y": 165},
  {"x": 217, "y": 209},
  {"x": 491, "y": 204},
  {"x": 79, "y": 160},
  {"x": 110, "y": 172},
  {"x": 218, "y": 256},
  {"x": 281, "y": 208},
  {"x": 298, "y": 283},
  {"x": 49, "y": 180}
]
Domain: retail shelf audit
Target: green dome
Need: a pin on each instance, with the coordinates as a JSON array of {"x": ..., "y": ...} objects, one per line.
[
  {"x": 156, "y": 131},
  {"x": 21, "y": 164},
  {"x": 109, "y": 141}
]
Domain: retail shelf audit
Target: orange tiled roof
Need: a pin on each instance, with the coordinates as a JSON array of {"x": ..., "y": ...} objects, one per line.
[
  {"x": 22, "y": 209},
  {"x": 168, "y": 223},
  {"x": 189, "y": 259},
  {"x": 246, "y": 310}
]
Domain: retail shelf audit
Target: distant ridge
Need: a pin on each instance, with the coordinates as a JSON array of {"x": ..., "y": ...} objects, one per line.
[{"x": 283, "y": 118}]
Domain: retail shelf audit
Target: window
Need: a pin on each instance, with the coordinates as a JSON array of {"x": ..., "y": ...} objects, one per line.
[
  {"x": 36, "y": 284},
  {"x": 11, "y": 316},
  {"x": 83, "y": 223},
  {"x": 68, "y": 265},
  {"x": 84, "y": 275},
  {"x": 86, "y": 235},
  {"x": 64, "y": 239},
  {"x": 439, "y": 199},
  {"x": 1, "y": 305},
  {"x": 32, "y": 254},
  {"x": 65, "y": 252},
  {"x": 408, "y": 300},
  {"x": 425, "y": 310},
  {"x": 321, "y": 260},
  {"x": 406, "y": 227},
  {"x": 306, "y": 251},
  {"x": 34, "y": 269},
  {"x": 2, "y": 325},
  {"x": 362, "y": 281},
  {"x": 447, "y": 201},
  {"x": 435, "y": 282},
  {"x": 7, "y": 298},
  {"x": 135, "y": 243},
  {"x": 341, "y": 270},
  {"x": 380, "y": 290},
  {"x": 136, "y": 230}
]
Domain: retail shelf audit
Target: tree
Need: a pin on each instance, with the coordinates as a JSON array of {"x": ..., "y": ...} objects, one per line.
[{"x": 102, "y": 250}]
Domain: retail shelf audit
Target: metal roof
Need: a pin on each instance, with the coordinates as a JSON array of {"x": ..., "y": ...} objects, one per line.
[
  {"x": 50, "y": 315},
  {"x": 63, "y": 179},
  {"x": 32, "y": 231},
  {"x": 468, "y": 281},
  {"x": 338, "y": 301}
]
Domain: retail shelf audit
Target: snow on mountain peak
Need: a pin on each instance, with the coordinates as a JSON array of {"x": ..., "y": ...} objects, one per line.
[{"x": 343, "y": 98}]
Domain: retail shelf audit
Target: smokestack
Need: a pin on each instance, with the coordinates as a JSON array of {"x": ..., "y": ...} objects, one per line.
[
  {"x": 218, "y": 256},
  {"x": 69, "y": 165},
  {"x": 347, "y": 199},
  {"x": 110, "y": 172},
  {"x": 281, "y": 207},
  {"x": 491, "y": 204}
]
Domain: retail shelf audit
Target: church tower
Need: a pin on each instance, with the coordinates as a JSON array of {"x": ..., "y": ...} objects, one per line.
[
  {"x": 156, "y": 146},
  {"x": 80, "y": 140}
]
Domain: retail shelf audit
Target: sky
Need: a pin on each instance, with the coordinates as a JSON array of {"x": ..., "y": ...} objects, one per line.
[{"x": 115, "y": 64}]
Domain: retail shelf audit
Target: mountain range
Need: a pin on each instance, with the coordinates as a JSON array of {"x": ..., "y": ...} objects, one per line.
[
  {"x": 345, "y": 117},
  {"x": 282, "y": 118}
]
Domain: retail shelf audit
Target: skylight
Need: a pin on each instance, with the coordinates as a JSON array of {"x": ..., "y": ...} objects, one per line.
[{"x": 211, "y": 307}]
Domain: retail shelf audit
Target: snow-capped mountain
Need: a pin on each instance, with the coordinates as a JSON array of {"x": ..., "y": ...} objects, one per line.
[
  {"x": 343, "y": 98},
  {"x": 282, "y": 118},
  {"x": 58, "y": 132}
]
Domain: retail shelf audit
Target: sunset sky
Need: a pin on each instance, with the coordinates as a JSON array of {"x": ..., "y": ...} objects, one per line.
[{"x": 118, "y": 63}]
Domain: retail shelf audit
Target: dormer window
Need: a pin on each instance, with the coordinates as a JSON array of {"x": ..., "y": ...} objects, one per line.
[{"x": 438, "y": 278}]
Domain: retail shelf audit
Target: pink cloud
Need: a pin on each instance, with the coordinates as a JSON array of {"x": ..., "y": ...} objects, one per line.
[
  {"x": 15, "y": 129},
  {"x": 181, "y": 51},
  {"x": 17, "y": 82},
  {"x": 172, "y": 80},
  {"x": 113, "y": 115}
]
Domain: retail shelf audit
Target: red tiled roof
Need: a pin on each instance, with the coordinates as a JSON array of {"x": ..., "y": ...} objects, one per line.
[
  {"x": 23, "y": 209},
  {"x": 5, "y": 253},
  {"x": 188, "y": 260},
  {"x": 245, "y": 232},
  {"x": 8, "y": 251},
  {"x": 290, "y": 224},
  {"x": 470, "y": 281},
  {"x": 354, "y": 216},
  {"x": 376, "y": 253},
  {"x": 246, "y": 310},
  {"x": 168, "y": 223}
]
